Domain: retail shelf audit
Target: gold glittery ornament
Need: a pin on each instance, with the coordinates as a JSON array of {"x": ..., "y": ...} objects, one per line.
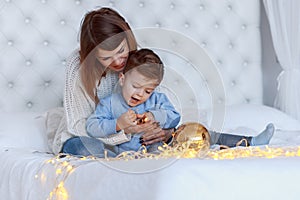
[{"x": 192, "y": 134}]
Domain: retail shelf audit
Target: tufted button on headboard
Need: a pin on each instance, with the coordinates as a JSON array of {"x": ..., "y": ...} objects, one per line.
[{"x": 36, "y": 37}]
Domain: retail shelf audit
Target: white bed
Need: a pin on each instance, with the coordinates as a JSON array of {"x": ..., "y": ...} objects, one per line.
[
  {"x": 28, "y": 172},
  {"x": 222, "y": 91}
]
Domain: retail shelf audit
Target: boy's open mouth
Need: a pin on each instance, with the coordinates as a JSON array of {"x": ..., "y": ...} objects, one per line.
[{"x": 134, "y": 100}]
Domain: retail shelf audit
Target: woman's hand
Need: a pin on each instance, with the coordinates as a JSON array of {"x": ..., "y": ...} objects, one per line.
[{"x": 156, "y": 135}]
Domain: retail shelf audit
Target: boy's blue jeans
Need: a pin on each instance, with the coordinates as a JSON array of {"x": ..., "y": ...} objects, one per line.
[
  {"x": 87, "y": 146},
  {"x": 228, "y": 139}
]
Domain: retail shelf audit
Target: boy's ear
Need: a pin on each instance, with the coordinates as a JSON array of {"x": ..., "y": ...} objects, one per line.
[{"x": 121, "y": 78}]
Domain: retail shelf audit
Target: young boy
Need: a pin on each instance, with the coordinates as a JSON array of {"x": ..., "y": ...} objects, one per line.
[{"x": 138, "y": 102}]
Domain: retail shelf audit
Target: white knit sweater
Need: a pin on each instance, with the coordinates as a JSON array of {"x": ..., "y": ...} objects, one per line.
[{"x": 78, "y": 106}]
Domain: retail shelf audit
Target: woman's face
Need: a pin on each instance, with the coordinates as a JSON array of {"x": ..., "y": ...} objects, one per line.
[{"x": 115, "y": 59}]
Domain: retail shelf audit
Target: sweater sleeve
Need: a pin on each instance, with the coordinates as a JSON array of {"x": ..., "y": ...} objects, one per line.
[{"x": 78, "y": 106}]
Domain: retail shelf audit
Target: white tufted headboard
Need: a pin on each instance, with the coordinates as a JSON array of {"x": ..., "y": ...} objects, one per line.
[{"x": 36, "y": 36}]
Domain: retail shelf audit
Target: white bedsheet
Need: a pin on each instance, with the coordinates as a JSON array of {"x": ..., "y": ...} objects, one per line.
[
  {"x": 27, "y": 172},
  {"x": 253, "y": 178}
]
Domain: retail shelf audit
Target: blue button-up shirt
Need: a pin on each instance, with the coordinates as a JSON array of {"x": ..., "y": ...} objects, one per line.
[{"x": 103, "y": 121}]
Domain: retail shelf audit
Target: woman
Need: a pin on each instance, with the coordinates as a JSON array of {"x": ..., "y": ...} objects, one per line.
[{"x": 106, "y": 41}]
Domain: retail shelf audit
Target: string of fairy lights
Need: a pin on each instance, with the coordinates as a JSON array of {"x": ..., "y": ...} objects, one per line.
[{"x": 65, "y": 165}]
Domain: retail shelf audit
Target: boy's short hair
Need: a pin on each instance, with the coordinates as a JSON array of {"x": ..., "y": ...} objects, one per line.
[{"x": 147, "y": 63}]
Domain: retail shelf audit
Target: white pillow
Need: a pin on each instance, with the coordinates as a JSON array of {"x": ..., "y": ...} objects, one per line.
[
  {"x": 247, "y": 119},
  {"x": 23, "y": 130},
  {"x": 257, "y": 117}
]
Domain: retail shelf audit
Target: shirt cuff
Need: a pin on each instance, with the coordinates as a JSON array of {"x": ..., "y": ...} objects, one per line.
[{"x": 117, "y": 138}]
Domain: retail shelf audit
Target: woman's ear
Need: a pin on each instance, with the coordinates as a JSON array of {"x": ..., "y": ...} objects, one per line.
[{"x": 121, "y": 78}]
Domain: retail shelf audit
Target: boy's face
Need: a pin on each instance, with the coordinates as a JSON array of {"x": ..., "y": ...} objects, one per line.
[{"x": 136, "y": 88}]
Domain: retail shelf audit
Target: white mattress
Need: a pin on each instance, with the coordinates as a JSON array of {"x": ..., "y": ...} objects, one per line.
[{"x": 29, "y": 172}]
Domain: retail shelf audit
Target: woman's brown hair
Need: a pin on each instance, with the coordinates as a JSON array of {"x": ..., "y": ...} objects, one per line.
[{"x": 106, "y": 29}]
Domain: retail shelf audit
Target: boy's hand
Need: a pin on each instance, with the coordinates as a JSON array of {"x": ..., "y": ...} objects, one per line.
[
  {"x": 143, "y": 123},
  {"x": 127, "y": 119}
]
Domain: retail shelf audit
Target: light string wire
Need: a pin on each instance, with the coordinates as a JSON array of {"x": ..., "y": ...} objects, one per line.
[{"x": 65, "y": 164}]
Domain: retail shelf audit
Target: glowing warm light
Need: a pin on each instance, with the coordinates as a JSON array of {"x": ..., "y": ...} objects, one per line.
[
  {"x": 201, "y": 151},
  {"x": 58, "y": 171},
  {"x": 69, "y": 168},
  {"x": 256, "y": 152},
  {"x": 142, "y": 120},
  {"x": 146, "y": 119},
  {"x": 193, "y": 148},
  {"x": 59, "y": 193},
  {"x": 43, "y": 178}
]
